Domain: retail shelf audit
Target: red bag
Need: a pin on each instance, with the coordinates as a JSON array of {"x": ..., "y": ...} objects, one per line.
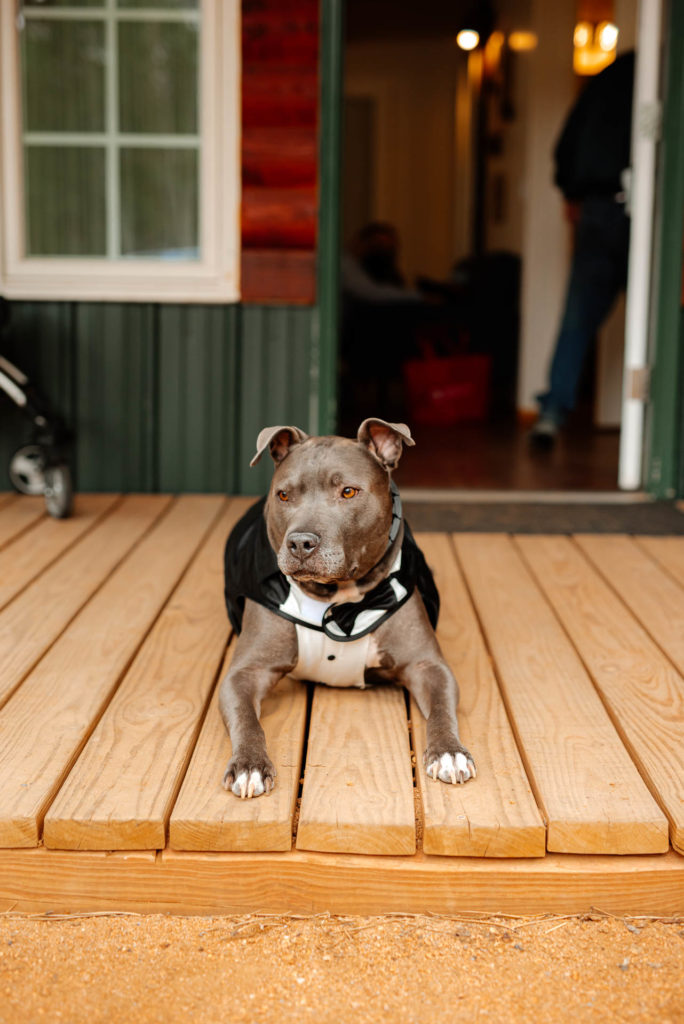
[{"x": 449, "y": 389}]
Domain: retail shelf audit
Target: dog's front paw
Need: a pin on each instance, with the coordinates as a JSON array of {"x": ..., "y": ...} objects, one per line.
[
  {"x": 455, "y": 767},
  {"x": 247, "y": 777}
]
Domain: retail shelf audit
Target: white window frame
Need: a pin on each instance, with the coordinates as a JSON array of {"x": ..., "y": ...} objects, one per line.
[{"x": 215, "y": 276}]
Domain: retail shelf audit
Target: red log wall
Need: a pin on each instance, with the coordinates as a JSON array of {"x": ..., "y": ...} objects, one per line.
[{"x": 280, "y": 42}]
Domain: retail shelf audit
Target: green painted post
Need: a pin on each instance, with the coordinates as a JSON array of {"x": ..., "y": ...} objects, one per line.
[
  {"x": 326, "y": 325},
  {"x": 665, "y": 478}
]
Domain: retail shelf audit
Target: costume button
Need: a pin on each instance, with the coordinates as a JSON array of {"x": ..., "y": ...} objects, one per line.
[{"x": 331, "y": 657}]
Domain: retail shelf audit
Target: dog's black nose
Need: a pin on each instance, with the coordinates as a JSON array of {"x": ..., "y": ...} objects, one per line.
[{"x": 302, "y": 545}]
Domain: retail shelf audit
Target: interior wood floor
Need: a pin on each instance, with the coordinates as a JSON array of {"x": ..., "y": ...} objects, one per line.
[
  {"x": 498, "y": 456},
  {"x": 113, "y": 637}
]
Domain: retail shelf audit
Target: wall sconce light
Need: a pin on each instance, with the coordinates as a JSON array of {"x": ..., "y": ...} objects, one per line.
[
  {"x": 594, "y": 46},
  {"x": 467, "y": 39},
  {"x": 522, "y": 41},
  {"x": 607, "y": 35}
]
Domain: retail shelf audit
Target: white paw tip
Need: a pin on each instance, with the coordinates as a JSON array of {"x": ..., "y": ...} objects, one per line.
[
  {"x": 451, "y": 769},
  {"x": 239, "y": 787},
  {"x": 256, "y": 784},
  {"x": 247, "y": 786}
]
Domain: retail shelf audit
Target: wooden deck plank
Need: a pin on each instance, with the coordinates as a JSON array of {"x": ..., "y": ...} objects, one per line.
[
  {"x": 206, "y": 817},
  {"x": 639, "y": 685},
  {"x": 19, "y": 514},
  {"x": 31, "y": 553},
  {"x": 591, "y": 792},
  {"x": 45, "y": 725},
  {"x": 36, "y": 617},
  {"x": 358, "y": 783},
  {"x": 644, "y": 586},
  {"x": 120, "y": 793},
  {"x": 496, "y": 814},
  {"x": 668, "y": 552},
  {"x": 40, "y": 880}
]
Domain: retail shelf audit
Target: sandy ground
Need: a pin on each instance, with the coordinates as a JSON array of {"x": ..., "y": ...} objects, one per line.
[{"x": 263, "y": 969}]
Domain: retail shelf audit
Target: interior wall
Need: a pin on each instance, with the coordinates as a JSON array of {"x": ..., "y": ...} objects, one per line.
[
  {"x": 546, "y": 239},
  {"x": 505, "y": 206},
  {"x": 505, "y": 181},
  {"x": 412, "y": 84},
  {"x": 610, "y": 353},
  {"x": 547, "y": 91}
]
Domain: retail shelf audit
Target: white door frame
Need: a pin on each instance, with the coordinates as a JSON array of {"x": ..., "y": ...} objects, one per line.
[{"x": 646, "y": 119}]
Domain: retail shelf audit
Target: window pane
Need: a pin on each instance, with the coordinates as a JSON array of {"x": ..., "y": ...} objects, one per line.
[
  {"x": 159, "y": 197},
  {"x": 41, "y": 5},
  {"x": 63, "y": 76},
  {"x": 65, "y": 201},
  {"x": 170, "y": 5},
  {"x": 158, "y": 77}
]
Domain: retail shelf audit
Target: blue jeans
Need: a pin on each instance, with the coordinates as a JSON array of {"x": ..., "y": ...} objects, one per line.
[{"x": 597, "y": 276}]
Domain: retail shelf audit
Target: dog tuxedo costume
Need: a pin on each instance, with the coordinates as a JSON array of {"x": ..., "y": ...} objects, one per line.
[{"x": 335, "y": 640}]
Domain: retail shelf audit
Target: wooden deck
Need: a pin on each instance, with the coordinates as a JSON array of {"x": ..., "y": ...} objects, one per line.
[{"x": 113, "y": 636}]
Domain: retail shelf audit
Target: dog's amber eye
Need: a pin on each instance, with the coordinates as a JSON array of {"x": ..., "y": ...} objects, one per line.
[
  {"x": 283, "y": 495},
  {"x": 350, "y": 492}
]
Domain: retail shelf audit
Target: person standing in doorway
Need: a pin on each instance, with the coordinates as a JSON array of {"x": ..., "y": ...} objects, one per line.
[{"x": 592, "y": 159}]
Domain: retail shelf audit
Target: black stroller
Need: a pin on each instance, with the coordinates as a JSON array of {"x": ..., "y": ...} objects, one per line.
[{"x": 40, "y": 467}]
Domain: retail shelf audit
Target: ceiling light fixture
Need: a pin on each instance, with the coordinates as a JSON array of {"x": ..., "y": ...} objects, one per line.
[{"x": 467, "y": 39}]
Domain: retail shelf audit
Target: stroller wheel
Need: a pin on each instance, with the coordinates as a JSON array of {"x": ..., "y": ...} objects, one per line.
[
  {"x": 59, "y": 494},
  {"x": 27, "y": 469}
]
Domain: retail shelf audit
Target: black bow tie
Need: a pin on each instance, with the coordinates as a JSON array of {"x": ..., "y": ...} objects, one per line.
[{"x": 344, "y": 616}]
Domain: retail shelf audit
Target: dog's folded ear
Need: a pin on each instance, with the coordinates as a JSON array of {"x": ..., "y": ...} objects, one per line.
[
  {"x": 280, "y": 440},
  {"x": 384, "y": 440}
]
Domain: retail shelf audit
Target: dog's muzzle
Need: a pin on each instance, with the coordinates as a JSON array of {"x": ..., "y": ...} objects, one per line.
[{"x": 301, "y": 546}]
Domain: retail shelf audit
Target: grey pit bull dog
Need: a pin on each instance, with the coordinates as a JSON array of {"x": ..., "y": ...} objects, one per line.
[{"x": 325, "y": 582}]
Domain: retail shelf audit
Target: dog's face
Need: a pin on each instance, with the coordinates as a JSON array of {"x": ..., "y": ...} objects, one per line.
[{"x": 329, "y": 507}]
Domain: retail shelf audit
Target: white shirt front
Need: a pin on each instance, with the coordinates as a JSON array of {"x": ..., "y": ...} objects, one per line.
[{"x": 321, "y": 659}]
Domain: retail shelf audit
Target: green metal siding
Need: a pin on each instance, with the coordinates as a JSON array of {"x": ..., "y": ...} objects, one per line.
[
  {"x": 114, "y": 367},
  {"x": 164, "y": 398},
  {"x": 277, "y": 378},
  {"x": 665, "y": 448},
  {"x": 198, "y": 415}
]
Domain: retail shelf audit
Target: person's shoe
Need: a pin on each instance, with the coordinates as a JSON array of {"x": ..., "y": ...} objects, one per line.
[{"x": 544, "y": 433}]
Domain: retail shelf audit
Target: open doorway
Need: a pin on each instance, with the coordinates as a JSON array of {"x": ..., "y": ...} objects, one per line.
[{"x": 449, "y": 199}]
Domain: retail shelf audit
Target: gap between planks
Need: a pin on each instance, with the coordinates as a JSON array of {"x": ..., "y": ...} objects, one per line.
[
  {"x": 32, "y": 552},
  {"x": 47, "y": 721},
  {"x": 206, "y": 816},
  {"x": 439, "y": 787},
  {"x": 120, "y": 793},
  {"x": 357, "y": 795},
  {"x": 644, "y": 586},
  {"x": 668, "y": 552},
  {"x": 19, "y": 514},
  {"x": 37, "y": 616},
  {"x": 494, "y": 815},
  {"x": 640, "y": 687},
  {"x": 592, "y": 794}
]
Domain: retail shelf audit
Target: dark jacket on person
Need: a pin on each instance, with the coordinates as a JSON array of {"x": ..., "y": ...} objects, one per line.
[{"x": 594, "y": 145}]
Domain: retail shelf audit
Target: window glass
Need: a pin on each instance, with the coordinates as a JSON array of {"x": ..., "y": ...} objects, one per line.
[
  {"x": 37, "y": 4},
  {"x": 168, "y": 4},
  {"x": 111, "y": 134},
  {"x": 64, "y": 76},
  {"x": 159, "y": 203},
  {"x": 157, "y": 77},
  {"x": 65, "y": 201}
]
